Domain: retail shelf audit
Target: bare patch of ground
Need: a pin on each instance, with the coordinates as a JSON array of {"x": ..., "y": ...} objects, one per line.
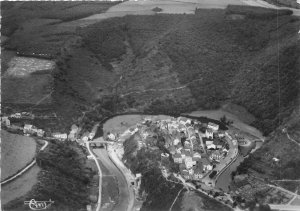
[{"x": 23, "y": 66}]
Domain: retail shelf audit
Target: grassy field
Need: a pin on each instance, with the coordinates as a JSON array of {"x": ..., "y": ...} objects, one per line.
[
  {"x": 27, "y": 90},
  {"x": 285, "y": 3},
  {"x": 192, "y": 201},
  {"x": 17, "y": 152},
  {"x": 19, "y": 187}
]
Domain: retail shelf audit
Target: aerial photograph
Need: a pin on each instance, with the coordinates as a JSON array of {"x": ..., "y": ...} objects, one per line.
[{"x": 150, "y": 105}]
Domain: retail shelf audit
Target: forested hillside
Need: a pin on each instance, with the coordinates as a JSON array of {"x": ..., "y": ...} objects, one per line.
[{"x": 241, "y": 56}]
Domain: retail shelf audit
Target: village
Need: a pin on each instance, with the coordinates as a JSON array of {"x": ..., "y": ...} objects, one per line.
[
  {"x": 200, "y": 151},
  {"x": 197, "y": 148}
]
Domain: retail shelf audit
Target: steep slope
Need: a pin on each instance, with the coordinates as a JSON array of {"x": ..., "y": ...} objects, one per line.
[{"x": 203, "y": 60}]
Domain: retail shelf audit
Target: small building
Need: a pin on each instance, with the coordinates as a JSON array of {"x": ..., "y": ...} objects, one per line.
[
  {"x": 213, "y": 126},
  {"x": 209, "y": 133},
  {"x": 88, "y": 207},
  {"x": 211, "y": 146},
  {"x": 216, "y": 155},
  {"x": 196, "y": 156},
  {"x": 40, "y": 133},
  {"x": 189, "y": 161},
  {"x": 177, "y": 158},
  {"x": 176, "y": 141},
  {"x": 16, "y": 115},
  {"x": 28, "y": 128},
  {"x": 221, "y": 134},
  {"x": 61, "y": 136},
  {"x": 206, "y": 164},
  {"x": 209, "y": 142},
  {"x": 90, "y": 157},
  {"x": 5, "y": 121}
]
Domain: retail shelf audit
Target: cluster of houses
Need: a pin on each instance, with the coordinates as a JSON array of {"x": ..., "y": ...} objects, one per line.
[
  {"x": 29, "y": 129},
  {"x": 196, "y": 147}
]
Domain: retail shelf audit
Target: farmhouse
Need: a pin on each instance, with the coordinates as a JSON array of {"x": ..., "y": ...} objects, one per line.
[
  {"x": 29, "y": 129},
  {"x": 213, "y": 126},
  {"x": 40, "y": 132},
  {"x": 5, "y": 120}
]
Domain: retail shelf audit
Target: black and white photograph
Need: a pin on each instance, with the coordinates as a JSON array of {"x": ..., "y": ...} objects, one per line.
[{"x": 150, "y": 105}]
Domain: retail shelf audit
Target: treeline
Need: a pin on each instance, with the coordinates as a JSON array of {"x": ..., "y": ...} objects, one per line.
[{"x": 159, "y": 192}]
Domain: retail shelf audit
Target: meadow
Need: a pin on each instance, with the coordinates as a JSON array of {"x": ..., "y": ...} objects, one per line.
[{"x": 17, "y": 152}]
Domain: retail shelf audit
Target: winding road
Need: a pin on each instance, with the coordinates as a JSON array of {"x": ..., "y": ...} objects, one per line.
[
  {"x": 26, "y": 168},
  {"x": 100, "y": 177}
]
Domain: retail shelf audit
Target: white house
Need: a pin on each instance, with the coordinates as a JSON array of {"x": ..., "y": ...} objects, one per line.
[
  {"x": 27, "y": 128},
  {"x": 16, "y": 115},
  {"x": 5, "y": 120},
  {"x": 197, "y": 155},
  {"x": 40, "y": 132},
  {"x": 209, "y": 142},
  {"x": 209, "y": 167},
  {"x": 209, "y": 133},
  {"x": 213, "y": 126},
  {"x": 176, "y": 141},
  {"x": 85, "y": 138},
  {"x": 189, "y": 162},
  {"x": 211, "y": 146},
  {"x": 61, "y": 136},
  {"x": 221, "y": 134}
]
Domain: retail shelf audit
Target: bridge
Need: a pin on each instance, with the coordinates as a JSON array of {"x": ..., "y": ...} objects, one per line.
[
  {"x": 284, "y": 207},
  {"x": 100, "y": 140}
]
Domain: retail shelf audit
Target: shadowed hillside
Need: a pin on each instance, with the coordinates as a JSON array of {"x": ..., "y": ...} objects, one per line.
[{"x": 236, "y": 60}]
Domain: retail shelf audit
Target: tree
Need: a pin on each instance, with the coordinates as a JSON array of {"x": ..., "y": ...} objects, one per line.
[{"x": 224, "y": 120}]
